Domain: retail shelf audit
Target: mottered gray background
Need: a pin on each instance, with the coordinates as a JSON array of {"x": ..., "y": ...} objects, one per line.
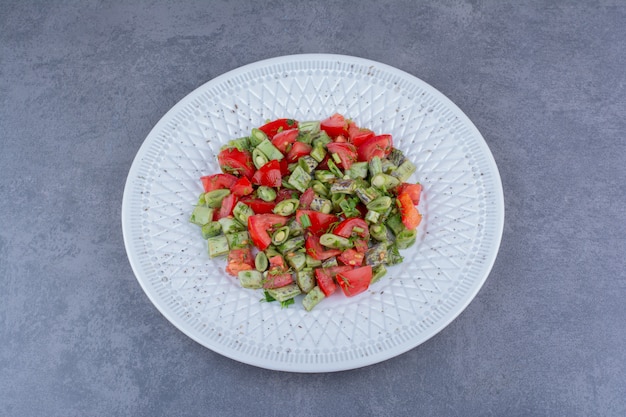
[{"x": 82, "y": 84}]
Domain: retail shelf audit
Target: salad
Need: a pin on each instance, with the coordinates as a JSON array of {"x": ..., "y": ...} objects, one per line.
[{"x": 308, "y": 208}]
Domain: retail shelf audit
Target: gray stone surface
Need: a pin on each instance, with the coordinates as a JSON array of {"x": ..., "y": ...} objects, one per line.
[{"x": 82, "y": 84}]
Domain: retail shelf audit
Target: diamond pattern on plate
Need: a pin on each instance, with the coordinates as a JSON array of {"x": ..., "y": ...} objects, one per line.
[{"x": 416, "y": 299}]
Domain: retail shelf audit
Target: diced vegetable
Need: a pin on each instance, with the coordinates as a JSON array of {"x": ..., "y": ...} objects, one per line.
[
  {"x": 355, "y": 281},
  {"x": 250, "y": 279},
  {"x": 201, "y": 215},
  {"x": 313, "y": 298},
  {"x": 285, "y": 292}
]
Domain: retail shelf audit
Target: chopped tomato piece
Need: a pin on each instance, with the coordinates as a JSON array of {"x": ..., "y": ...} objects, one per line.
[
  {"x": 217, "y": 182},
  {"x": 351, "y": 257},
  {"x": 259, "y": 226},
  {"x": 277, "y": 263},
  {"x": 259, "y": 206},
  {"x": 320, "y": 222},
  {"x": 346, "y": 151},
  {"x": 334, "y": 270},
  {"x": 340, "y": 139},
  {"x": 360, "y": 245},
  {"x": 284, "y": 140},
  {"x": 284, "y": 167},
  {"x": 413, "y": 190},
  {"x": 298, "y": 150},
  {"x": 278, "y": 125},
  {"x": 242, "y": 187},
  {"x": 286, "y": 194},
  {"x": 380, "y": 146},
  {"x": 277, "y": 266},
  {"x": 228, "y": 204},
  {"x": 355, "y": 281},
  {"x": 335, "y": 125},
  {"x": 306, "y": 199},
  {"x": 411, "y": 218},
  {"x": 239, "y": 260},
  {"x": 268, "y": 175},
  {"x": 315, "y": 249},
  {"x": 347, "y": 228},
  {"x": 357, "y": 135},
  {"x": 325, "y": 282},
  {"x": 278, "y": 280},
  {"x": 324, "y": 163},
  {"x": 234, "y": 161}
]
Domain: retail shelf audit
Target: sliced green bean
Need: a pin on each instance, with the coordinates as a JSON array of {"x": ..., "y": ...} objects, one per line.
[
  {"x": 211, "y": 229},
  {"x": 218, "y": 246},
  {"x": 297, "y": 260},
  {"x": 381, "y": 233},
  {"x": 385, "y": 181},
  {"x": 295, "y": 228},
  {"x": 271, "y": 251},
  {"x": 378, "y": 272},
  {"x": 292, "y": 244},
  {"x": 261, "y": 263},
  {"x": 319, "y": 188},
  {"x": 406, "y": 238},
  {"x": 256, "y": 137},
  {"x": 231, "y": 225},
  {"x": 201, "y": 215},
  {"x": 357, "y": 170},
  {"x": 270, "y": 150},
  {"x": 396, "y": 157},
  {"x": 308, "y": 163},
  {"x": 299, "y": 179},
  {"x": 321, "y": 138},
  {"x": 242, "y": 212},
  {"x": 312, "y": 126},
  {"x": 322, "y": 205},
  {"x": 313, "y": 298},
  {"x": 214, "y": 198},
  {"x": 285, "y": 293},
  {"x": 332, "y": 167},
  {"x": 259, "y": 158},
  {"x": 387, "y": 166},
  {"x": 404, "y": 171},
  {"x": 266, "y": 193},
  {"x": 347, "y": 186},
  {"x": 287, "y": 207},
  {"x": 312, "y": 262},
  {"x": 372, "y": 216},
  {"x": 280, "y": 236},
  {"x": 238, "y": 240},
  {"x": 381, "y": 204},
  {"x": 318, "y": 153},
  {"x": 305, "y": 279},
  {"x": 250, "y": 279},
  {"x": 201, "y": 200},
  {"x": 241, "y": 143},
  {"x": 324, "y": 176},
  {"x": 336, "y": 242},
  {"x": 367, "y": 195},
  {"x": 375, "y": 166},
  {"x": 376, "y": 255}
]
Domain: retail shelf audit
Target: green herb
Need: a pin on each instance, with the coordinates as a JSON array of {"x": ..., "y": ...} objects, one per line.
[{"x": 287, "y": 303}]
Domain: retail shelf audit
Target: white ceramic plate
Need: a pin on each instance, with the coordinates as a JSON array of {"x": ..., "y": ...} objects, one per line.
[{"x": 459, "y": 236}]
